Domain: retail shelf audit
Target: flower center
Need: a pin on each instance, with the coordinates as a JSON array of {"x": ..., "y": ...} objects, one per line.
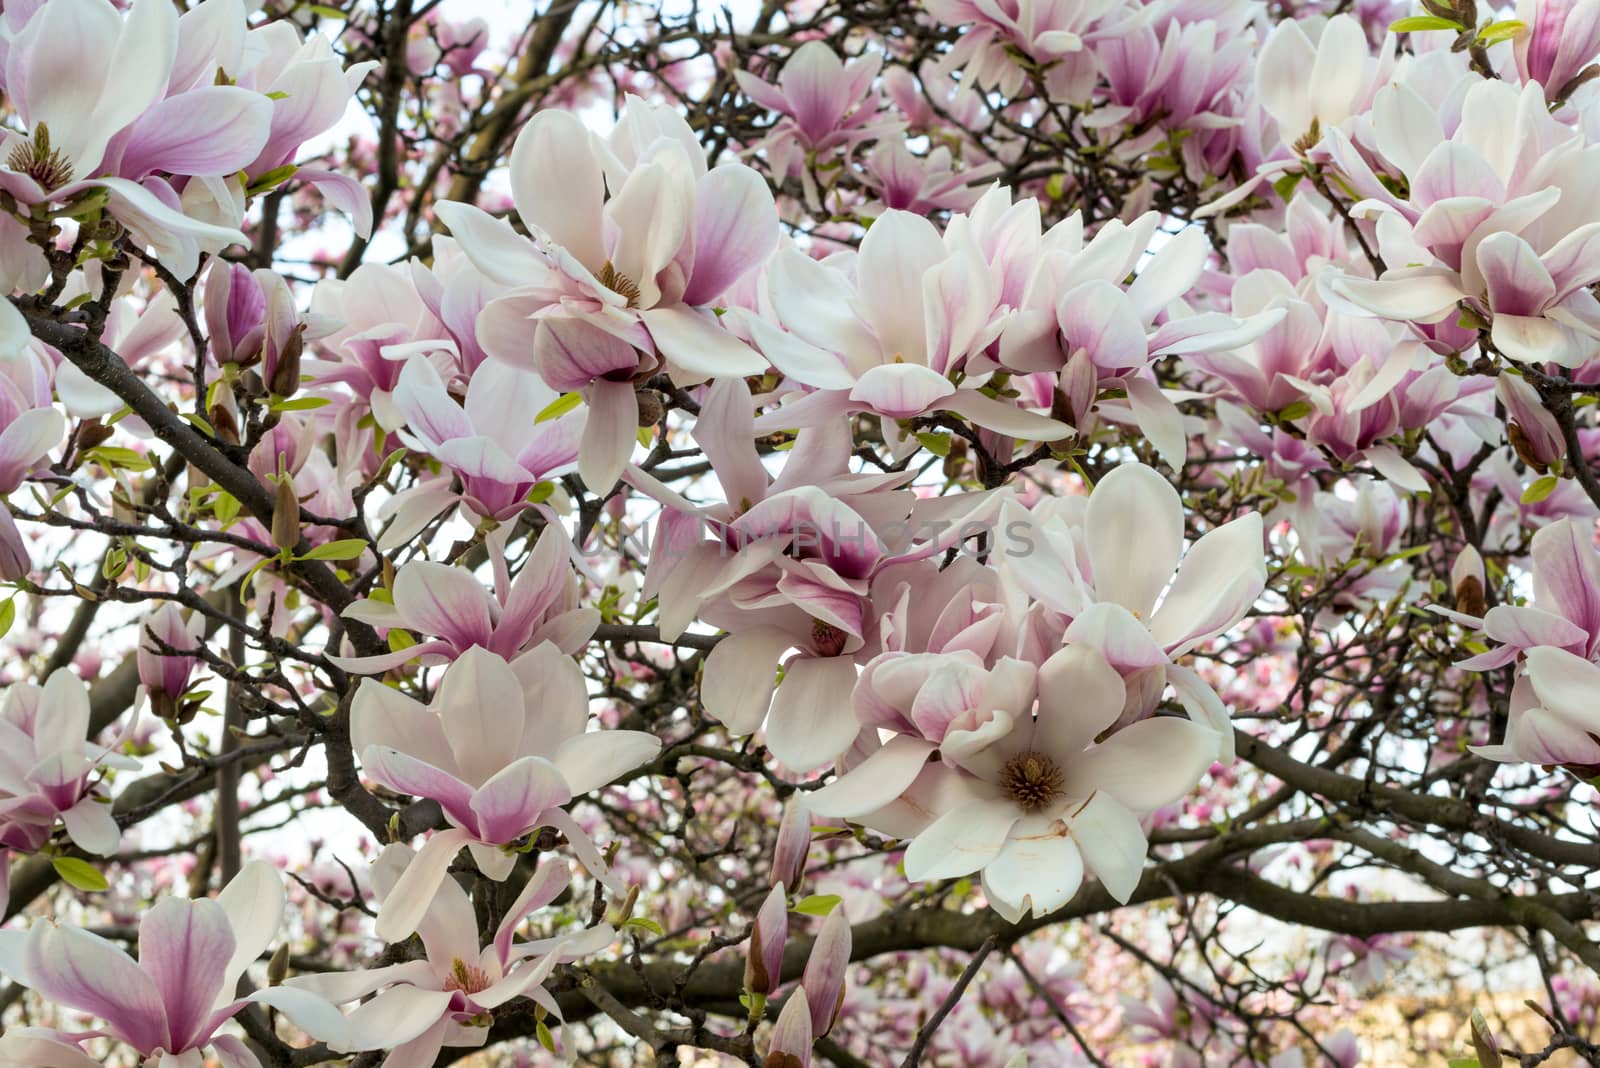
[
  {"x": 618, "y": 282},
  {"x": 829, "y": 639},
  {"x": 1032, "y": 780},
  {"x": 39, "y": 161},
  {"x": 466, "y": 978}
]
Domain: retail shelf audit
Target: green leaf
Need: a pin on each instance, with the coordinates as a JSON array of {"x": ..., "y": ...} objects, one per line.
[
  {"x": 1539, "y": 489},
  {"x": 276, "y": 176},
  {"x": 1463, "y": 1062},
  {"x": 299, "y": 404},
  {"x": 558, "y": 407},
  {"x": 400, "y": 639},
  {"x": 546, "y": 1039},
  {"x": 225, "y": 507},
  {"x": 1297, "y": 410},
  {"x": 541, "y": 492},
  {"x": 938, "y": 444},
  {"x": 8, "y": 615},
  {"x": 1419, "y": 23},
  {"x": 343, "y": 549},
  {"x": 79, "y": 873},
  {"x": 817, "y": 904},
  {"x": 1496, "y": 32},
  {"x": 113, "y": 457},
  {"x": 649, "y": 925}
]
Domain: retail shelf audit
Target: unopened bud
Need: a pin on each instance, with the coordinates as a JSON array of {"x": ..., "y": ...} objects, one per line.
[
  {"x": 794, "y": 842},
  {"x": 791, "y": 1035},
  {"x": 284, "y": 375},
  {"x": 955, "y": 461},
  {"x": 825, "y": 968},
  {"x": 763, "y": 966},
  {"x": 285, "y": 514},
  {"x": 651, "y": 409},
  {"x": 278, "y": 967},
  {"x": 224, "y": 424},
  {"x": 1467, "y": 583},
  {"x": 1484, "y": 1043}
]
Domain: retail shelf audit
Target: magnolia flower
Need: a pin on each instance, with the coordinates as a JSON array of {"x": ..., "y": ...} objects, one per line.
[
  {"x": 885, "y": 330},
  {"x": 1496, "y": 215},
  {"x": 383, "y": 322},
  {"x": 1561, "y": 39},
  {"x": 1049, "y": 32},
  {"x": 501, "y": 747},
  {"x": 29, "y": 427},
  {"x": 126, "y": 117},
  {"x": 827, "y": 106},
  {"x": 169, "y": 1003},
  {"x": 784, "y": 564},
  {"x": 1104, "y": 566},
  {"x": 46, "y": 765},
  {"x": 444, "y": 998},
  {"x": 493, "y": 443},
  {"x": 1319, "y": 78},
  {"x": 166, "y": 675},
  {"x": 1565, "y": 612},
  {"x": 615, "y": 276},
  {"x": 1028, "y": 796},
  {"x": 539, "y": 605}
]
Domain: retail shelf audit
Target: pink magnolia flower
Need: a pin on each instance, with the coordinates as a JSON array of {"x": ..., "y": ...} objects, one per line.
[
  {"x": 383, "y": 322},
  {"x": 1561, "y": 39},
  {"x": 1565, "y": 612},
  {"x": 1027, "y": 795},
  {"x": 1104, "y": 564},
  {"x": 615, "y": 283},
  {"x": 131, "y": 117},
  {"x": 1496, "y": 216},
  {"x": 786, "y": 564},
  {"x": 886, "y": 330},
  {"x": 46, "y": 767},
  {"x": 167, "y": 1005},
  {"x": 1318, "y": 72},
  {"x": 502, "y": 746},
  {"x": 539, "y": 605},
  {"x": 442, "y": 999},
  {"x": 29, "y": 427},
  {"x": 827, "y": 107},
  {"x": 1551, "y": 718},
  {"x": 493, "y": 443},
  {"x": 166, "y": 675},
  {"x": 1049, "y": 32}
]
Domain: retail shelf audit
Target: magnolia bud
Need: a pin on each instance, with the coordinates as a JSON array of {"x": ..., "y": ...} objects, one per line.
[
  {"x": 283, "y": 377},
  {"x": 1530, "y": 428},
  {"x": 791, "y": 1035},
  {"x": 794, "y": 841},
  {"x": 14, "y": 560},
  {"x": 278, "y": 967},
  {"x": 1484, "y": 1043},
  {"x": 224, "y": 423},
  {"x": 763, "y": 967},
  {"x": 650, "y": 407},
  {"x": 285, "y": 514},
  {"x": 824, "y": 974},
  {"x": 1468, "y": 583}
]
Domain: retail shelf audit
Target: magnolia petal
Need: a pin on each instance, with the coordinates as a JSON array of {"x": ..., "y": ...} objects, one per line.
[
  {"x": 961, "y": 841},
  {"x": 812, "y": 721},
  {"x": 1112, "y": 843}
]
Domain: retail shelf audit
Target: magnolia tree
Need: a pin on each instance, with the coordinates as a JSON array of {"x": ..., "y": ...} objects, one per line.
[{"x": 979, "y": 532}]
